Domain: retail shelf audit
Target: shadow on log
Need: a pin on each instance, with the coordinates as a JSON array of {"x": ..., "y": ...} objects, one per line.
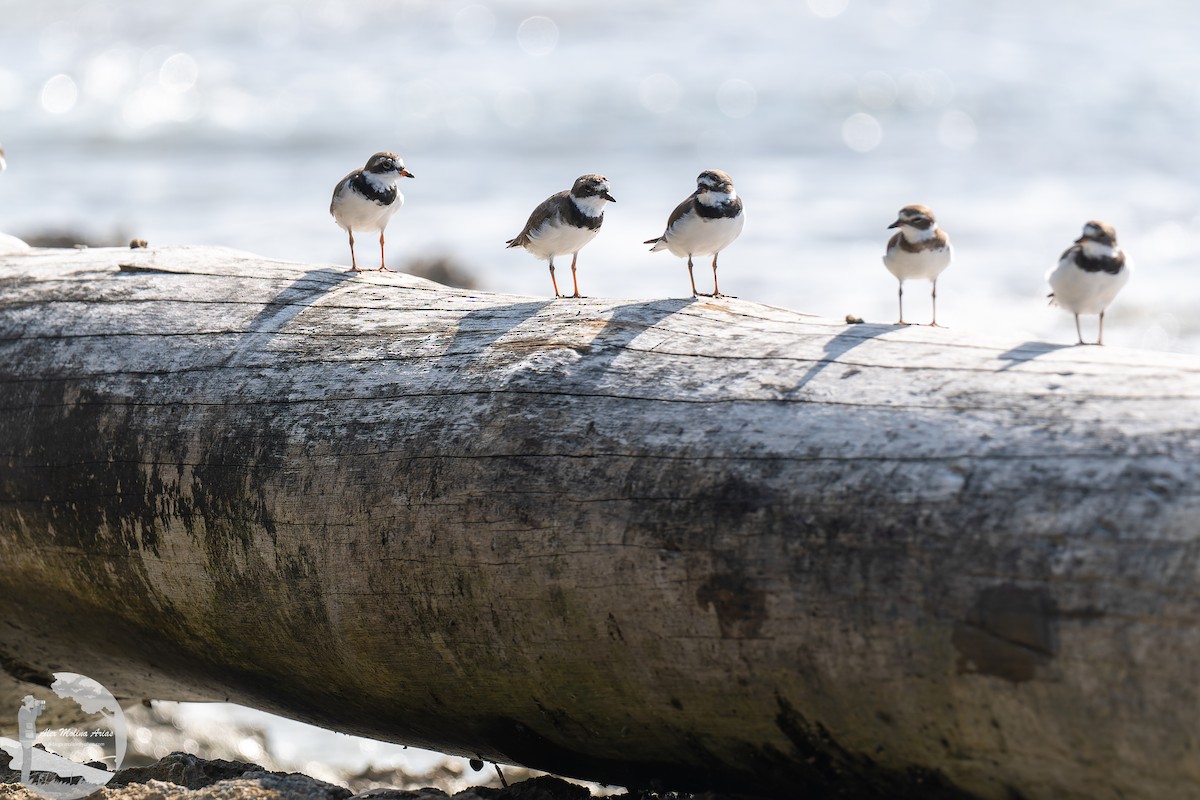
[{"x": 672, "y": 542}]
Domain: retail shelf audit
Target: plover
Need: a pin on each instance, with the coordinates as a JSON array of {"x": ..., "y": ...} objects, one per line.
[
  {"x": 1089, "y": 274},
  {"x": 919, "y": 251},
  {"x": 705, "y": 223},
  {"x": 366, "y": 199},
  {"x": 565, "y": 222}
]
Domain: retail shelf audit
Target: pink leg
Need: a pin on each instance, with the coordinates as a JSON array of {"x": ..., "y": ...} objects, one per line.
[
  {"x": 382, "y": 267},
  {"x": 552, "y": 280},
  {"x": 353, "y": 263},
  {"x": 574, "y": 278}
]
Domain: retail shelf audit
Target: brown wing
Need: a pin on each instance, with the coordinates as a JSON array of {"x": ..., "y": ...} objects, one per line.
[
  {"x": 340, "y": 186},
  {"x": 681, "y": 209},
  {"x": 549, "y": 207}
]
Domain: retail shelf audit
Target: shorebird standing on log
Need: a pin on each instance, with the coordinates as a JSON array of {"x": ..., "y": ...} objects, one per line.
[
  {"x": 1089, "y": 274},
  {"x": 564, "y": 222},
  {"x": 919, "y": 251},
  {"x": 366, "y": 199},
  {"x": 705, "y": 223}
]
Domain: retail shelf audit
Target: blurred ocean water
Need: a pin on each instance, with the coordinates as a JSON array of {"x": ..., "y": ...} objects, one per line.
[{"x": 228, "y": 122}]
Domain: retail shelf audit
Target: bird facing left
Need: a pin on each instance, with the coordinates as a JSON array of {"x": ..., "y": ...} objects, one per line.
[
  {"x": 919, "y": 251},
  {"x": 366, "y": 199}
]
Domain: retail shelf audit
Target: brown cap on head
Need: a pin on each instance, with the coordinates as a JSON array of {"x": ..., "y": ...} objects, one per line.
[
  {"x": 1098, "y": 231},
  {"x": 592, "y": 185},
  {"x": 714, "y": 180},
  {"x": 382, "y": 163},
  {"x": 917, "y": 215}
]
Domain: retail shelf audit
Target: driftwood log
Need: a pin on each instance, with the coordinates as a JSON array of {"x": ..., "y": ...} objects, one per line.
[{"x": 700, "y": 543}]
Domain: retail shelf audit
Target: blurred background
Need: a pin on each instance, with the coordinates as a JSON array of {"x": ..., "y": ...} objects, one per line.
[{"x": 228, "y": 122}]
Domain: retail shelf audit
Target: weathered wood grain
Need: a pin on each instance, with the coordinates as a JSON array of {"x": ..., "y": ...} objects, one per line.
[{"x": 695, "y": 541}]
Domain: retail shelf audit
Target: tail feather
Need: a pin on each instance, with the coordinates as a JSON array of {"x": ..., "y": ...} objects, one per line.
[
  {"x": 659, "y": 243},
  {"x": 517, "y": 241}
]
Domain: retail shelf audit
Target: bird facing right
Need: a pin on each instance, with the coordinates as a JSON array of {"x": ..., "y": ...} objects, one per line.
[
  {"x": 1089, "y": 274},
  {"x": 564, "y": 222},
  {"x": 366, "y": 199},
  {"x": 705, "y": 223},
  {"x": 920, "y": 251}
]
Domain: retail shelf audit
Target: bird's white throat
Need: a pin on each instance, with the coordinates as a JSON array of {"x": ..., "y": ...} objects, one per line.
[
  {"x": 382, "y": 182},
  {"x": 1094, "y": 249},
  {"x": 711, "y": 198},
  {"x": 913, "y": 234},
  {"x": 592, "y": 206}
]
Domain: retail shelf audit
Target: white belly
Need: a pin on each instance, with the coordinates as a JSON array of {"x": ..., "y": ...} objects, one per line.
[
  {"x": 695, "y": 235},
  {"x": 924, "y": 265},
  {"x": 357, "y": 213},
  {"x": 1085, "y": 292},
  {"x": 554, "y": 239}
]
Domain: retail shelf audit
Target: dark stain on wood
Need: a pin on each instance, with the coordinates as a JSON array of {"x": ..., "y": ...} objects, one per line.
[
  {"x": 741, "y": 607},
  {"x": 24, "y": 672},
  {"x": 1008, "y": 633}
]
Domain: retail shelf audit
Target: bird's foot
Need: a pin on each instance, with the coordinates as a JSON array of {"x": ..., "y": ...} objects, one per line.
[
  {"x": 355, "y": 269},
  {"x": 577, "y": 296},
  {"x": 901, "y": 322},
  {"x": 385, "y": 269},
  {"x": 701, "y": 294},
  {"x": 935, "y": 325}
]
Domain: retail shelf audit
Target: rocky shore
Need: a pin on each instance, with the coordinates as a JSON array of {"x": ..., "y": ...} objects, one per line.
[{"x": 182, "y": 776}]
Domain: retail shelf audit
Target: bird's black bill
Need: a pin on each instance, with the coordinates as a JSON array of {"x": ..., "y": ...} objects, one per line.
[
  {"x": 405, "y": 173},
  {"x": 896, "y": 224},
  {"x": 608, "y": 197}
]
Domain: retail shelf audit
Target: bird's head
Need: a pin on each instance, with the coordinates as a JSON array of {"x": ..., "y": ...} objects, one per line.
[
  {"x": 387, "y": 165},
  {"x": 715, "y": 181},
  {"x": 1098, "y": 232},
  {"x": 917, "y": 218},
  {"x": 592, "y": 186}
]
